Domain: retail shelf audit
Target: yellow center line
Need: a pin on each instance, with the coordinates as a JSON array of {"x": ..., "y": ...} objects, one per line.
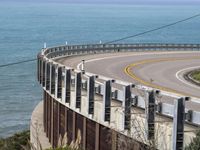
[{"x": 129, "y": 70}]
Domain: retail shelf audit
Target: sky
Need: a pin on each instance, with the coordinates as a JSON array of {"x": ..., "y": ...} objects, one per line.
[{"x": 116, "y": 1}]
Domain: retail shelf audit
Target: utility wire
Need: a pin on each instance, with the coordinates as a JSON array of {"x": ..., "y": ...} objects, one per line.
[
  {"x": 120, "y": 39},
  {"x": 155, "y": 29},
  {"x": 16, "y": 63}
]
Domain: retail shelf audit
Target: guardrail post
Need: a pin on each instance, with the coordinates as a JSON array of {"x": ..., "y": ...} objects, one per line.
[
  {"x": 38, "y": 67},
  {"x": 47, "y": 76},
  {"x": 127, "y": 102},
  {"x": 67, "y": 86},
  {"x": 43, "y": 72},
  {"x": 56, "y": 81},
  {"x": 78, "y": 87},
  {"x": 107, "y": 100},
  {"x": 59, "y": 86},
  {"x": 150, "y": 114},
  {"x": 90, "y": 94},
  {"x": 52, "y": 78},
  {"x": 178, "y": 123},
  {"x": 50, "y": 72},
  {"x": 45, "y": 82}
]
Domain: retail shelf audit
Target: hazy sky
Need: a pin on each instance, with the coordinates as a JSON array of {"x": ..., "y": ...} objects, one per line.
[{"x": 118, "y": 1}]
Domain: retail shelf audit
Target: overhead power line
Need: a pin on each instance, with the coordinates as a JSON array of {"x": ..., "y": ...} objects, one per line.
[
  {"x": 16, "y": 63},
  {"x": 152, "y": 30},
  {"x": 120, "y": 39}
]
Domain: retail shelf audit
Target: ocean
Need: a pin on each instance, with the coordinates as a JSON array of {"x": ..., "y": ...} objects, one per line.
[{"x": 24, "y": 27}]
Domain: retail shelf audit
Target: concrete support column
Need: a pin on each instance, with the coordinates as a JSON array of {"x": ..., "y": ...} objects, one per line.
[
  {"x": 52, "y": 116},
  {"x": 107, "y": 101},
  {"x": 66, "y": 123},
  {"x": 114, "y": 140},
  {"x": 44, "y": 109},
  {"x": 78, "y": 88},
  {"x": 150, "y": 115},
  {"x": 58, "y": 123},
  {"x": 74, "y": 126},
  {"x": 90, "y": 94},
  {"x": 97, "y": 137},
  {"x": 178, "y": 124},
  {"x": 84, "y": 133}
]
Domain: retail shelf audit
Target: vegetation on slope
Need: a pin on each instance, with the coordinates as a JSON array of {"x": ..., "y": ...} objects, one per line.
[
  {"x": 195, "y": 144},
  {"x": 18, "y": 141}
]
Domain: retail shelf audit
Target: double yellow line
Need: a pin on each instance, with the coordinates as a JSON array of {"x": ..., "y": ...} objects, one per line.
[{"x": 129, "y": 70}]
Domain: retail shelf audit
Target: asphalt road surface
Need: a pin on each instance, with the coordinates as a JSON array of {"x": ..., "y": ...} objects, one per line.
[{"x": 161, "y": 70}]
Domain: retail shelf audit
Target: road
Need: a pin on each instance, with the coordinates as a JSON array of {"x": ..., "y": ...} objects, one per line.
[{"x": 161, "y": 70}]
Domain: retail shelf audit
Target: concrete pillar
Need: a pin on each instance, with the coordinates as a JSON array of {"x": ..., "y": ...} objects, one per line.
[
  {"x": 44, "y": 109},
  {"x": 67, "y": 86},
  {"x": 74, "y": 126},
  {"x": 127, "y": 103},
  {"x": 178, "y": 124},
  {"x": 78, "y": 88},
  {"x": 114, "y": 140},
  {"x": 58, "y": 121},
  {"x": 52, "y": 116},
  {"x": 91, "y": 94},
  {"x": 107, "y": 101},
  {"x": 84, "y": 132},
  {"x": 150, "y": 115},
  {"x": 66, "y": 123},
  {"x": 97, "y": 136}
]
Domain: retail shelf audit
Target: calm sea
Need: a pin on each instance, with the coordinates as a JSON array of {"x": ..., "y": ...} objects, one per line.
[{"x": 24, "y": 27}]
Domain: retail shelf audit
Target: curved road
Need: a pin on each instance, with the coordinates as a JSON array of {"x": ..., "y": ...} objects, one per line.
[{"x": 162, "y": 70}]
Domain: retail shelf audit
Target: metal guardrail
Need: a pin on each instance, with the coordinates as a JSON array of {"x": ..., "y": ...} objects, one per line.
[
  {"x": 69, "y": 50},
  {"x": 101, "y": 48},
  {"x": 47, "y": 57}
]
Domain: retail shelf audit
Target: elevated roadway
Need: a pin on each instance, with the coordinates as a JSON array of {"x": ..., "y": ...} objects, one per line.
[{"x": 160, "y": 70}]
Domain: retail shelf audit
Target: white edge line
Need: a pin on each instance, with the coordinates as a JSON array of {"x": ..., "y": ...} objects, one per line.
[{"x": 184, "y": 81}]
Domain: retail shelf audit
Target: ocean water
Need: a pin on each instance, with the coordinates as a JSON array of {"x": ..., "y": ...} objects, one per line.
[{"x": 24, "y": 27}]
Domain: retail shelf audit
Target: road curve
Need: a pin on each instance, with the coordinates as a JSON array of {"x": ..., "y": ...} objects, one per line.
[{"x": 162, "y": 70}]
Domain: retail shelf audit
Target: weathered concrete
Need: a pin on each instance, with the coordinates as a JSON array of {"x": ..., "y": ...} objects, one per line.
[{"x": 38, "y": 137}]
